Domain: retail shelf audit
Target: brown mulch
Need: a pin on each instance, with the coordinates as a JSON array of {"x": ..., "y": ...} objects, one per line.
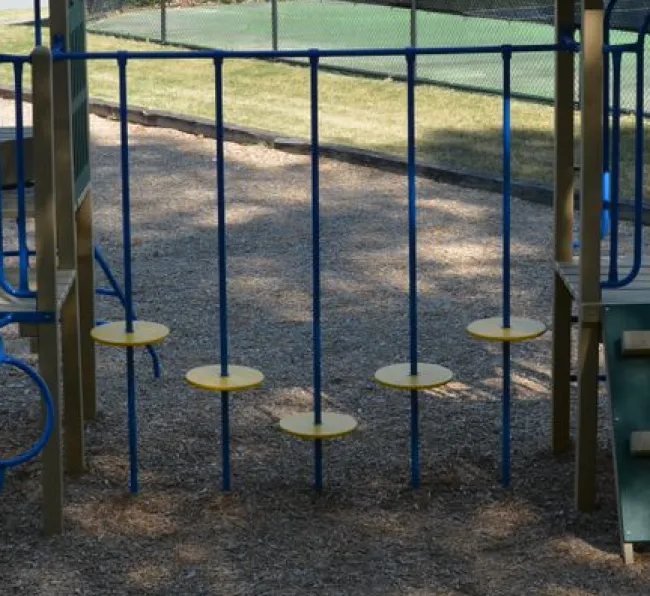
[{"x": 368, "y": 533}]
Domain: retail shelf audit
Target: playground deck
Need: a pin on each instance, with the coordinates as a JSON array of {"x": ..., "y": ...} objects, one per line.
[{"x": 637, "y": 292}]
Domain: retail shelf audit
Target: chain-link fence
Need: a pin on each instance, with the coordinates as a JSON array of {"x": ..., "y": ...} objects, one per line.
[{"x": 300, "y": 24}]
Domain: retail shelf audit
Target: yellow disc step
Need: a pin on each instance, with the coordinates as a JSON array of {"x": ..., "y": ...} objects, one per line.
[
  {"x": 333, "y": 426},
  {"x": 239, "y": 378},
  {"x": 398, "y": 376},
  {"x": 144, "y": 333},
  {"x": 520, "y": 329}
]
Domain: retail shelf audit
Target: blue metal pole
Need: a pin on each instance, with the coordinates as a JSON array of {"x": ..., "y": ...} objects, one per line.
[
  {"x": 605, "y": 219},
  {"x": 223, "y": 295},
  {"x": 128, "y": 288},
  {"x": 23, "y": 260},
  {"x": 316, "y": 304},
  {"x": 507, "y": 154},
  {"x": 639, "y": 149},
  {"x": 38, "y": 34},
  {"x": 615, "y": 167},
  {"x": 116, "y": 292},
  {"x": 328, "y": 53},
  {"x": 413, "y": 287}
]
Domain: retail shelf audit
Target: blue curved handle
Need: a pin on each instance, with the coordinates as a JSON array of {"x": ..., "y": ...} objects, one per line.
[{"x": 46, "y": 396}]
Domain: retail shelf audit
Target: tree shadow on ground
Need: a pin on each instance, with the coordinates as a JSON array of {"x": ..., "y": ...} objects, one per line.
[{"x": 368, "y": 533}]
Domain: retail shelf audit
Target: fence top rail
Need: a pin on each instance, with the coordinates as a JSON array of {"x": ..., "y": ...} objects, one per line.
[{"x": 312, "y": 53}]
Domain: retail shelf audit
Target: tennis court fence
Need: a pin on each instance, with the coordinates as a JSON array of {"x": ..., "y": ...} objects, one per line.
[{"x": 300, "y": 24}]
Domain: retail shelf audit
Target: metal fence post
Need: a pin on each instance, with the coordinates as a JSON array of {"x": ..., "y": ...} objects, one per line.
[
  {"x": 163, "y": 21},
  {"x": 274, "y": 23},
  {"x": 414, "y": 27}
]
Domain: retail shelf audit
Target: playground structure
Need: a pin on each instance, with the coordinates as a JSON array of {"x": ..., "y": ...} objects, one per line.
[{"x": 575, "y": 279}]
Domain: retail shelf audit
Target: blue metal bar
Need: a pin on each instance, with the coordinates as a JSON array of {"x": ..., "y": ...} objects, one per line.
[
  {"x": 316, "y": 289},
  {"x": 320, "y": 53},
  {"x": 639, "y": 159},
  {"x": 14, "y": 58},
  {"x": 116, "y": 292},
  {"x": 615, "y": 178},
  {"x": 412, "y": 239},
  {"x": 507, "y": 176},
  {"x": 415, "y": 440},
  {"x": 132, "y": 420},
  {"x": 126, "y": 193},
  {"x": 507, "y": 182},
  {"x": 38, "y": 33},
  {"x": 23, "y": 259},
  {"x": 412, "y": 213},
  {"x": 48, "y": 424},
  {"x": 505, "y": 417},
  {"x": 223, "y": 294},
  {"x": 221, "y": 217},
  {"x": 225, "y": 441},
  {"x": 128, "y": 289},
  {"x": 16, "y": 253}
]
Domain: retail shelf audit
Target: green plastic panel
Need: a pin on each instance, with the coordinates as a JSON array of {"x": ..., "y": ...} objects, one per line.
[
  {"x": 629, "y": 390},
  {"x": 79, "y": 99}
]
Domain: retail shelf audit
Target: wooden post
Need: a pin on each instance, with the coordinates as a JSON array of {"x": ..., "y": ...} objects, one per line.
[
  {"x": 591, "y": 194},
  {"x": 45, "y": 232},
  {"x": 564, "y": 192}
]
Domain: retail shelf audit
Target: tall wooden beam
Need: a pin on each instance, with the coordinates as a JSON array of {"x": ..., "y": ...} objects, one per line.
[
  {"x": 591, "y": 193},
  {"x": 563, "y": 201},
  {"x": 45, "y": 232}
]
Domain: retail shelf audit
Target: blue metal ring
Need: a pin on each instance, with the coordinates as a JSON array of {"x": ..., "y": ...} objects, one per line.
[{"x": 48, "y": 427}]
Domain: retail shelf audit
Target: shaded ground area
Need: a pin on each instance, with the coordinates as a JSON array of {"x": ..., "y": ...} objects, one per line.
[{"x": 367, "y": 533}]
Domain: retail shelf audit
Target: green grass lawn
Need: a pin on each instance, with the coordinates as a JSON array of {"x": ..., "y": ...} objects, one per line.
[
  {"x": 455, "y": 129},
  {"x": 333, "y": 24}
]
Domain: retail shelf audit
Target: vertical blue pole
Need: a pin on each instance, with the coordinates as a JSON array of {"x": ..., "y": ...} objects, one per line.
[
  {"x": 605, "y": 218},
  {"x": 639, "y": 144},
  {"x": 616, "y": 165},
  {"x": 23, "y": 251},
  {"x": 507, "y": 152},
  {"x": 315, "y": 219},
  {"x": 126, "y": 194},
  {"x": 128, "y": 288},
  {"x": 223, "y": 295},
  {"x": 38, "y": 34},
  {"x": 413, "y": 288}
]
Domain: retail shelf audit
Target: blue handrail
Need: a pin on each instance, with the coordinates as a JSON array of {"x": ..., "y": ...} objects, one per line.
[
  {"x": 48, "y": 426},
  {"x": 639, "y": 157}
]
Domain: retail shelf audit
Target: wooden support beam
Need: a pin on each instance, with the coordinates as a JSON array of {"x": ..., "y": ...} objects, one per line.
[
  {"x": 591, "y": 193},
  {"x": 45, "y": 232},
  {"x": 564, "y": 192}
]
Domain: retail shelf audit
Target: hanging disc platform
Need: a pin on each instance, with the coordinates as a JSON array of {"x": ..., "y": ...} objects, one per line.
[
  {"x": 332, "y": 426},
  {"x": 239, "y": 378},
  {"x": 144, "y": 334},
  {"x": 520, "y": 330},
  {"x": 398, "y": 376}
]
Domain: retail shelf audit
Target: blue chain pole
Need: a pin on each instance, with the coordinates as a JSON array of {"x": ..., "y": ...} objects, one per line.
[
  {"x": 507, "y": 175},
  {"x": 38, "y": 24},
  {"x": 615, "y": 167},
  {"x": 316, "y": 304},
  {"x": 413, "y": 286},
  {"x": 23, "y": 249},
  {"x": 223, "y": 295},
  {"x": 128, "y": 287}
]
